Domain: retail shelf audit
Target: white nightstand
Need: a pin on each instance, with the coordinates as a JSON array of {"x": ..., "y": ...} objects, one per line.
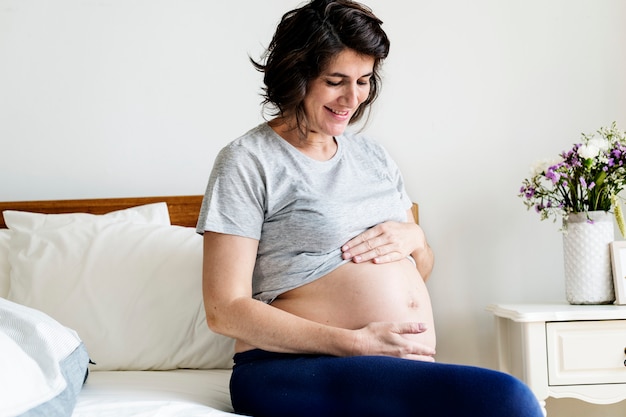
[{"x": 562, "y": 350}]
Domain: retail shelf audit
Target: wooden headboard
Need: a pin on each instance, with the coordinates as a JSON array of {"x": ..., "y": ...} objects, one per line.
[{"x": 183, "y": 209}]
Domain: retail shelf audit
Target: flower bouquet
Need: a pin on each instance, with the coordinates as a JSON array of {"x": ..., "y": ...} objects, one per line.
[
  {"x": 582, "y": 187},
  {"x": 586, "y": 178}
]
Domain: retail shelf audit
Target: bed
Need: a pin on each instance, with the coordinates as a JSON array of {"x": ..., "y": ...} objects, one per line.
[{"x": 125, "y": 275}]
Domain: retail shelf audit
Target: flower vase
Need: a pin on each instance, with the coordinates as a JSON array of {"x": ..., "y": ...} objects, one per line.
[{"x": 586, "y": 253}]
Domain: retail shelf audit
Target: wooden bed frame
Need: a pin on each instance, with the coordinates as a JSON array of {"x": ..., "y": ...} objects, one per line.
[{"x": 183, "y": 209}]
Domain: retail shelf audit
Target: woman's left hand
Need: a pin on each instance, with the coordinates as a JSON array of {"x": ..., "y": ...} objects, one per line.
[{"x": 386, "y": 242}]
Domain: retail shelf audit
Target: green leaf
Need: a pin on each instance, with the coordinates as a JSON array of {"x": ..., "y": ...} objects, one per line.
[{"x": 619, "y": 215}]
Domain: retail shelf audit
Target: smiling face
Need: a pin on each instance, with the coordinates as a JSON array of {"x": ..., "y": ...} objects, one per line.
[{"x": 334, "y": 96}]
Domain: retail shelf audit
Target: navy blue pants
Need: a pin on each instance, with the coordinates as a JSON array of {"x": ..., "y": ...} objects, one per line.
[{"x": 266, "y": 384}]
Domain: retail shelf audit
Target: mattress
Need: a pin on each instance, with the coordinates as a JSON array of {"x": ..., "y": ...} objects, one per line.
[{"x": 155, "y": 394}]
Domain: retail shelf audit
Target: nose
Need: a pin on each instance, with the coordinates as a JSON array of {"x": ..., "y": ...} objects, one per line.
[{"x": 350, "y": 96}]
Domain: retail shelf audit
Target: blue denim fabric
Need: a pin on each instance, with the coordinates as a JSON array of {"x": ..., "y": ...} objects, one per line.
[{"x": 275, "y": 385}]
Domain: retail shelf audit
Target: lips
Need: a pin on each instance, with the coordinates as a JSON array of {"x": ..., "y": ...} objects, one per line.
[{"x": 338, "y": 113}]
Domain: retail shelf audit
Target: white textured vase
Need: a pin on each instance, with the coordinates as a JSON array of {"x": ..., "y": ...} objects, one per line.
[{"x": 588, "y": 274}]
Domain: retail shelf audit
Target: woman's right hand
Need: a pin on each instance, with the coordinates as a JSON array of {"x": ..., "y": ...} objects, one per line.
[{"x": 389, "y": 339}]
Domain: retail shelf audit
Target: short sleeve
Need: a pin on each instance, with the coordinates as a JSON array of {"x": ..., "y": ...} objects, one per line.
[
  {"x": 234, "y": 201},
  {"x": 406, "y": 200},
  {"x": 395, "y": 176}
]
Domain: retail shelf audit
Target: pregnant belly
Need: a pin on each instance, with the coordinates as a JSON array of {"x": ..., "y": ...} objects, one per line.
[{"x": 357, "y": 294}]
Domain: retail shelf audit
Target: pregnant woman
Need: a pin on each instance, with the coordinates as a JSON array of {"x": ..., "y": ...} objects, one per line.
[{"x": 312, "y": 259}]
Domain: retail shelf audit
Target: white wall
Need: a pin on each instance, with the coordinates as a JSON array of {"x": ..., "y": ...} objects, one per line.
[{"x": 110, "y": 98}]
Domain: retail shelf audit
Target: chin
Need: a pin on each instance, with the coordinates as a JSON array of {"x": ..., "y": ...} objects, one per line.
[{"x": 336, "y": 130}]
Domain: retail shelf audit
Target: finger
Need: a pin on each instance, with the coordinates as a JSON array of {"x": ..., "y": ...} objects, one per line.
[
  {"x": 411, "y": 328},
  {"x": 371, "y": 248},
  {"x": 379, "y": 255},
  {"x": 362, "y": 238},
  {"x": 390, "y": 257},
  {"x": 423, "y": 358}
]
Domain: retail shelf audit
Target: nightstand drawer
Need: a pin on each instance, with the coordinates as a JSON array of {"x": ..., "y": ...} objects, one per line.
[{"x": 586, "y": 352}]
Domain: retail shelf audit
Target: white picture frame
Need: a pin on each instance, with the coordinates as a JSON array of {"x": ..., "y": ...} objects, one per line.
[{"x": 618, "y": 263}]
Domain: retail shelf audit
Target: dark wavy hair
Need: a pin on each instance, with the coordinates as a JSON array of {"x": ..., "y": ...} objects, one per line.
[{"x": 306, "y": 40}]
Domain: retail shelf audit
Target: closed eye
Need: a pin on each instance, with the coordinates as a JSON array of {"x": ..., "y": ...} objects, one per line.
[{"x": 365, "y": 81}]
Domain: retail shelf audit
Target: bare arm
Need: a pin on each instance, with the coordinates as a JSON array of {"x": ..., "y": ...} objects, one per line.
[
  {"x": 423, "y": 254},
  {"x": 392, "y": 241},
  {"x": 231, "y": 310}
]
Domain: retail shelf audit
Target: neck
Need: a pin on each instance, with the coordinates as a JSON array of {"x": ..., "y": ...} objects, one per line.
[{"x": 315, "y": 145}]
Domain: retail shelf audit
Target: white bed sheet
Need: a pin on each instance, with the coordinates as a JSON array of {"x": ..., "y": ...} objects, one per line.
[{"x": 183, "y": 392}]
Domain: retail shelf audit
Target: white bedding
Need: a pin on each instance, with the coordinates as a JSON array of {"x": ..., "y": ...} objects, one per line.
[
  {"x": 182, "y": 392},
  {"x": 143, "y": 323},
  {"x": 33, "y": 347}
]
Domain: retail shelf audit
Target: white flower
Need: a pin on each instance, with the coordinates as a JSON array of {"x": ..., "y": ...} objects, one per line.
[
  {"x": 539, "y": 167},
  {"x": 593, "y": 147},
  {"x": 588, "y": 151},
  {"x": 601, "y": 143}
]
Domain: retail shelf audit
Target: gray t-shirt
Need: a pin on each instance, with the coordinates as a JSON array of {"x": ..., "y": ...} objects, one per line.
[{"x": 301, "y": 210}]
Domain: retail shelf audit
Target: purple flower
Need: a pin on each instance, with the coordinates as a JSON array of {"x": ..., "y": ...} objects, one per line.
[
  {"x": 566, "y": 185},
  {"x": 553, "y": 175}
]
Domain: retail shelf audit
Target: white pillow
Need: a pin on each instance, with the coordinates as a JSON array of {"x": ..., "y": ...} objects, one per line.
[
  {"x": 41, "y": 374},
  {"x": 5, "y": 267},
  {"x": 154, "y": 213},
  {"x": 132, "y": 291}
]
